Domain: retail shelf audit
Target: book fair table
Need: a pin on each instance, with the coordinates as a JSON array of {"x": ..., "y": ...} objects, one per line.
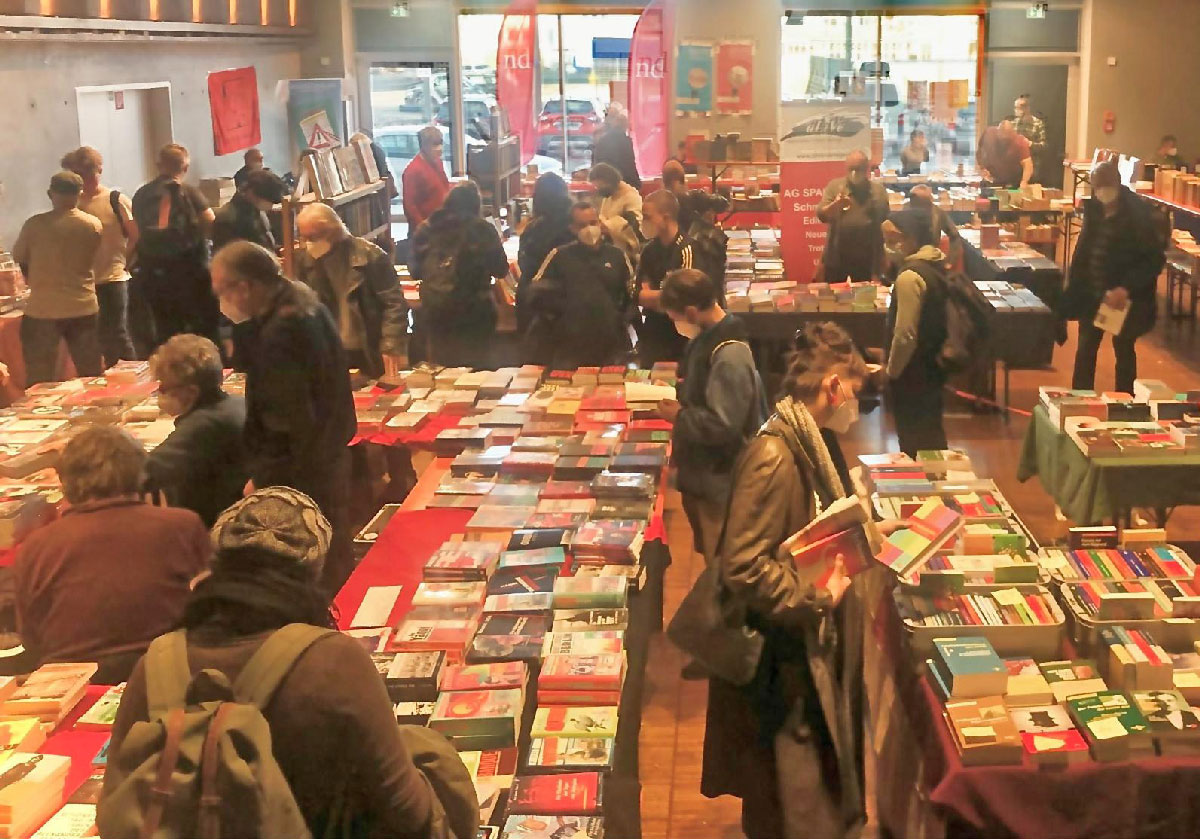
[
  {"x": 398, "y": 558},
  {"x": 1090, "y": 490}
]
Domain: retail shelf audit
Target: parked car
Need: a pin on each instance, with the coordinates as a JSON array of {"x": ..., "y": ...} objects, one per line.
[{"x": 584, "y": 118}]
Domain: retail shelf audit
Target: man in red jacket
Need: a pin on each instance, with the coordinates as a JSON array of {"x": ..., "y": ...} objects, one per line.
[{"x": 425, "y": 183}]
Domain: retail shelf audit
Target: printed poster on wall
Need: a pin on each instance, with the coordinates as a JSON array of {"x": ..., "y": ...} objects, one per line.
[
  {"x": 515, "y": 62},
  {"x": 694, "y": 78},
  {"x": 816, "y": 138},
  {"x": 233, "y": 102},
  {"x": 315, "y": 113},
  {"x": 648, "y": 90},
  {"x": 735, "y": 77}
]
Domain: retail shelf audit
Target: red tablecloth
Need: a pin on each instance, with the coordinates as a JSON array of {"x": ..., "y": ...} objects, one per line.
[
  {"x": 10, "y": 355},
  {"x": 423, "y": 438},
  {"x": 81, "y": 746}
]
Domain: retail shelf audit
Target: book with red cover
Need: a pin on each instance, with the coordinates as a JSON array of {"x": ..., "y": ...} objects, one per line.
[
  {"x": 566, "y": 490},
  {"x": 582, "y": 698},
  {"x": 816, "y": 561},
  {"x": 463, "y": 561},
  {"x": 497, "y": 676},
  {"x": 569, "y": 794},
  {"x": 604, "y": 672}
]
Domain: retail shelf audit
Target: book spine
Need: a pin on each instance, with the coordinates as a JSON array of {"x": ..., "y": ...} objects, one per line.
[
  {"x": 970, "y": 612},
  {"x": 1135, "y": 645},
  {"x": 1038, "y": 608},
  {"x": 1090, "y": 569},
  {"x": 1171, "y": 566},
  {"x": 1098, "y": 561},
  {"x": 1116, "y": 561},
  {"x": 1140, "y": 569},
  {"x": 1076, "y": 565}
]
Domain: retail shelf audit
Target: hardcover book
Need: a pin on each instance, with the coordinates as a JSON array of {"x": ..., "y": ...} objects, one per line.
[
  {"x": 102, "y": 715},
  {"x": 984, "y": 732},
  {"x": 573, "y": 793},
  {"x": 496, "y": 676},
  {"x": 587, "y": 672},
  {"x": 548, "y": 754},
  {"x": 546, "y": 826},
  {"x": 590, "y": 592},
  {"x": 575, "y": 722}
]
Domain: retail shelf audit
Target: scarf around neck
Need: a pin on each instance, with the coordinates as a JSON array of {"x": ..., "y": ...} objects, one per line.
[{"x": 803, "y": 437}]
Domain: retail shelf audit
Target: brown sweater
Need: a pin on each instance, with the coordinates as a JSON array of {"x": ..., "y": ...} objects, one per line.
[
  {"x": 106, "y": 579},
  {"x": 333, "y": 730}
]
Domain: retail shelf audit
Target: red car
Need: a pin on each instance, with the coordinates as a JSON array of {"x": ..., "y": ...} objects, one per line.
[{"x": 584, "y": 118}]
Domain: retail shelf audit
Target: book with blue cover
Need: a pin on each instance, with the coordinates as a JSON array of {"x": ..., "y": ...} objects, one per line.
[{"x": 969, "y": 667}]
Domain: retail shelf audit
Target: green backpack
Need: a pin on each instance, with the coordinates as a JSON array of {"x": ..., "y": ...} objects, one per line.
[{"x": 202, "y": 766}]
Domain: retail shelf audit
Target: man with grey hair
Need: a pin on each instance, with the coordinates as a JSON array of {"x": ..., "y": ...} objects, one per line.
[
  {"x": 113, "y": 573},
  {"x": 56, "y": 251},
  {"x": 425, "y": 183},
  {"x": 201, "y": 466},
  {"x": 356, "y": 281},
  {"x": 299, "y": 411},
  {"x": 854, "y": 206}
]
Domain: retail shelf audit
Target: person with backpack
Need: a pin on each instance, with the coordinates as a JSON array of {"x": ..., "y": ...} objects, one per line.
[
  {"x": 549, "y": 227},
  {"x": 455, "y": 255},
  {"x": 257, "y": 719},
  {"x": 721, "y": 401},
  {"x": 917, "y": 319},
  {"x": 174, "y": 220},
  {"x": 581, "y": 300},
  {"x": 118, "y": 239}
]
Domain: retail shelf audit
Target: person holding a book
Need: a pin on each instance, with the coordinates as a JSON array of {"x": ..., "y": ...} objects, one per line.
[
  {"x": 853, "y": 206},
  {"x": 780, "y": 734},
  {"x": 1120, "y": 252},
  {"x": 918, "y": 326}
]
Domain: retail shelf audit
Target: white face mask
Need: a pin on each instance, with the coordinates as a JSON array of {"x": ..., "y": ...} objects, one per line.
[
  {"x": 687, "y": 330},
  {"x": 1107, "y": 194},
  {"x": 591, "y": 235},
  {"x": 234, "y": 314},
  {"x": 317, "y": 249},
  {"x": 844, "y": 416},
  {"x": 1172, "y": 152}
]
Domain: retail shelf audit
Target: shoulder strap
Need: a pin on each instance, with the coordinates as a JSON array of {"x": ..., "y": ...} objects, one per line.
[
  {"x": 273, "y": 661},
  {"x": 712, "y": 356},
  {"x": 114, "y": 201},
  {"x": 168, "y": 673}
]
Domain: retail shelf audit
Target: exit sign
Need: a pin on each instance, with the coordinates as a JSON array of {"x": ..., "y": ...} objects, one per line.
[{"x": 1037, "y": 11}]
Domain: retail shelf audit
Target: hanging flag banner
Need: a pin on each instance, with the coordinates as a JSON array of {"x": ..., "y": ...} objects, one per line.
[
  {"x": 735, "y": 77},
  {"x": 233, "y": 102},
  {"x": 816, "y": 138},
  {"x": 694, "y": 78},
  {"x": 516, "y": 61},
  {"x": 648, "y": 90}
]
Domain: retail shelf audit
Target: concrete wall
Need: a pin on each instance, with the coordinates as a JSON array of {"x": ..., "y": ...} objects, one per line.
[
  {"x": 37, "y": 91},
  {"x": 1152, "y": 89}
]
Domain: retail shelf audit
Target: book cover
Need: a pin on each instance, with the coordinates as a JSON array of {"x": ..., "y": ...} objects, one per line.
[
  {"x": 413, "y": 713},
  {"x": 495, "y": 676},
  {"x": 491, "y": 648},
  {"x": 984, "y": 732},
  {"x": 411, "y": 676},
  {"x": 970, "y": 666},
  {"x": 477, "y": 711},
  {"x": 463, "y": 560},
  {"x": 590, "y": 592},
  {"x": 50, "y": 690},
  {"x": 529, "y": 539},
  {"x": 494, "y": 519},
  {"x": 102, "y": 715},
  {"x": 1068, "y": 678},
  {"x": 573, "y": 793},
  {"x": 623, "y": 485},
  {"x": 569, "y": 754},
  {"x": 20, "y": 734},
  {"x": 575, "y": 722},
  {"x": 580, "y": 620},
  {"x": 1171, "y": 718},
  {"x": 554, "y": 557},
  {"x": 815, "y": 561},
  {"x": 1041, "y": 719},
  {"x": 593, "y": 642},
  {"x": 523, "y": 581},
  {"x": 464, "y": 593},
  {"x": 545, "y": 826},
  {"x": 1055, "y": 748},
  {"x": 514, "y": 624},
  {"x": 588, "y": 672}
]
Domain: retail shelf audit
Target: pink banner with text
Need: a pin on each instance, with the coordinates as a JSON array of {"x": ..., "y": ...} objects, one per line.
[
  {"x": 515, "y": 71},
  {"x": 648, "y": 90}
]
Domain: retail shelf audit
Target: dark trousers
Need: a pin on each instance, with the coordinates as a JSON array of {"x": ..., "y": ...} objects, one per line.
[
  {"x": 851, "y": 265},
  {"x": 458, "y": 346},
  {"x": 115, "y": 344},
  {"x": 331, "y": 490},
  {"x": 141, "y": 319},
  {"x": 181, "y": 301},
  {"x": 1090, "y": 338},
  {"x": 39, "y": 344},
  {"x": 918, "y": 403}
]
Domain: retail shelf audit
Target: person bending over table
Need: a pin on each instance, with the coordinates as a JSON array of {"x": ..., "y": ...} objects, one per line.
[
  {"x": 780, "y": 734},
  {"x": 1120, "y": 252}
]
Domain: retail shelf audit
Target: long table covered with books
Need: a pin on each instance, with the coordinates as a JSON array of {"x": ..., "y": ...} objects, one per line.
[
  {"x": 1029, "y": 691},
  {"x": 1135, "y": 462}
]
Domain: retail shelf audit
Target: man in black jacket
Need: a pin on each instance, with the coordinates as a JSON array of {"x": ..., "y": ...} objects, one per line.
[
  {"x": 582, "y": 299},
  {"x": 202, "y": 465},
  {"x": 613, "y": 146},
  {"x": 721, "y": 401},
  {"x": 667, "y": 248},
  {"x": 299, "y": 411},
  {"x": 247, "y": 215},
  {"x": 356, "y": 281},
  {"x": 1117, "y": 261}
]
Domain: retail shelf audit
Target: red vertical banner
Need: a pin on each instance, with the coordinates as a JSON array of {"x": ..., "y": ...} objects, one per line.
[
  {"x": 735, "y": 77},
  {"x": 233, "y": 102},
  {"x": 802, "y": 234},
  {"x": 516, "y": 71},
  {"x": 648, "y": 90}
]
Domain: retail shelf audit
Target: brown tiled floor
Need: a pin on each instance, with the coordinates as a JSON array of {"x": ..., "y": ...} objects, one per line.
[{"x": 673, "y": 718}]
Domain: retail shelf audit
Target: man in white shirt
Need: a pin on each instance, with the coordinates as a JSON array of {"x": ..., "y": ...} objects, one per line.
[
  {"x": 117, "y": 241},
  {"x": 620, "y": 209}
]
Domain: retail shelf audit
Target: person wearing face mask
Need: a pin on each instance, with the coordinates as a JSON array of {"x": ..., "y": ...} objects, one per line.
[
  {"x": 201, "y": 466},
  {"x": 1118, "y": 257},
  {"x": 853, "y": 206},
  {"x": 620, "y": 209},
  {"x": 357, "y": 283},
  {"x": 668, "y": 249},
  {"x": 1167, "y": 156},
  {"x": 917, "y": 320},
  {"x": 299, "y": 410},
  {"x": 581, "y": 300},
  {"x": 247, "y": 215},
  {"x": 1033, "y": 128},
  {"x": 721, "y": 401},
  {"x": 786, "y": 662}
]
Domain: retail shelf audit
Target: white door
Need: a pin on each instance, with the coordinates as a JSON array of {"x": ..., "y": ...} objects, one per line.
[{"x": 127, "y": 127}]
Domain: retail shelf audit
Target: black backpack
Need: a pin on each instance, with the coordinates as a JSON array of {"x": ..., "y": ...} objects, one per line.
[
  {"x": 965, "y": 318},
  {"x": 181, "y": 237},
  {"x": 439, "y": 276}
]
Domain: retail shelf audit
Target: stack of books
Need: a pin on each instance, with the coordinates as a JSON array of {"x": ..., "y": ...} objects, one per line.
[{"x": 49, "y": 693}]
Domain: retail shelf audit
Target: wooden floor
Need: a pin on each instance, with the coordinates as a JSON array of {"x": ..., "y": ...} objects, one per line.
[{"x": 673, "y": 718}]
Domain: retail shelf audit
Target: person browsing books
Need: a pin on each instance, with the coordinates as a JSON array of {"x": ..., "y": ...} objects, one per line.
[
  {"x": 349, "y": 767},
  {"x": 918, "y": 326},
  {"x": 779, "y": 735},
  {"x": 549, "y": 227},
  {"x": 248, "y": 214},
  {"x": 721, "y": 403},
  {"x": 621, "y": 209},
  {"x": 667, "y": 248},
  {"x": 1119, "y": 255}
]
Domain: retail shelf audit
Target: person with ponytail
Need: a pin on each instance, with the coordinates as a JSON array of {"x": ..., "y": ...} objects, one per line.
[{"x": 785, "y": 739}]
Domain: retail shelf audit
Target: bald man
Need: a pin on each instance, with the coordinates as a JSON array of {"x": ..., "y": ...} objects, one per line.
[
  {"x": 854, "y": 206},
  {"x": 1117, "y": 261}
]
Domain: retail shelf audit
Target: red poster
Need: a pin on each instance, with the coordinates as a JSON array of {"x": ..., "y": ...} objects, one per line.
[
  {"x": 648, "y": 90},
  {"x": 802, "y": 234},
  {"x": 233, "y": 100},
  {"x": 515, "y": 66},
  {"x": 735, "y": 77}
]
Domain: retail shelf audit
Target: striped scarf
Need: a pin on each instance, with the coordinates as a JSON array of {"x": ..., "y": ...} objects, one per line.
[{"x": 804, "y": 439}]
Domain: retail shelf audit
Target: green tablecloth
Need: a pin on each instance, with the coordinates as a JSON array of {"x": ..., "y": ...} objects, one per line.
[{"x": 1091, "y": 491}]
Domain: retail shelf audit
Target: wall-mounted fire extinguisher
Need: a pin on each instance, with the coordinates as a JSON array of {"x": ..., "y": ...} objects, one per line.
[{"x": 1110, "y": 122}]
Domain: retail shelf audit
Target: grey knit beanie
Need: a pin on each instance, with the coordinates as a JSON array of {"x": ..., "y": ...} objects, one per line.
[{"x": 279, "y": 520}]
